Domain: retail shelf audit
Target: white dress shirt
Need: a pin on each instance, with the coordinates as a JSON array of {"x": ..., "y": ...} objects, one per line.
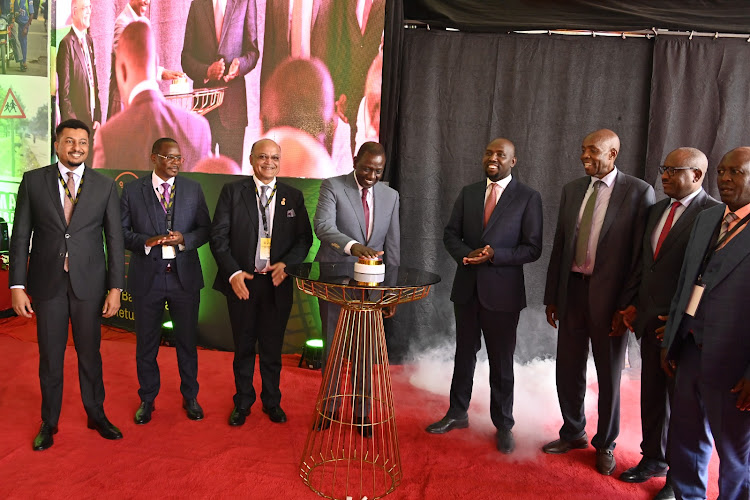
[{"x": 684, "y": 203}]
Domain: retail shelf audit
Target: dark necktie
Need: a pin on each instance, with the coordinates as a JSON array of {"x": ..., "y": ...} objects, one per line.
[
  {"x": 166, "y": 194},
  {"x": 491, "y": 203},
  {"x": 667, "y": 226},
  {"x": 260, "y": 264},
  {"x": 584, "y": 230},
  {"x": 366, "y": 209}
]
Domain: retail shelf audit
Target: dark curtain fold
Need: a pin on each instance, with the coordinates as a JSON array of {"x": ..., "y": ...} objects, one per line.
[
  {"x": 700, "y": 97},
  {"x": 393, "y": 40},
  {"x": 545, "y": 93}
]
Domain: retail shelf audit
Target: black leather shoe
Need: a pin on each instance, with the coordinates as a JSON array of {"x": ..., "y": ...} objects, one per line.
[
  {"x": 143, "y": 413},
  {"x": 193, "y": 409},
  {"x": 44, "y": 440},
  {"x": 364, "y": 426},
  {"x": 559, "y": 446},
  {"x": 641, "y": 473},
  {"x": 238, "y": 416},
  {"x": 605, "y": 462},
  {"x": 448, "y": 424},
  {"x": 276, "y": 414},
  {"x": 105, "y": 428},
  {"x": 666, "y": 493},
  {"x": 505, "y": 442}
]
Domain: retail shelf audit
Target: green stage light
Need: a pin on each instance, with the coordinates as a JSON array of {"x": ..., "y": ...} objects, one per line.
[
  {"x": 167, "y": 325},
  {"x": 312, "y": 354},
  {"x": 315, "y": 343}
]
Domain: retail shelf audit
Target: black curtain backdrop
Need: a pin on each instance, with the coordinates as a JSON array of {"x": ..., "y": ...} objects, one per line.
[{"x": 458, "y": 92}]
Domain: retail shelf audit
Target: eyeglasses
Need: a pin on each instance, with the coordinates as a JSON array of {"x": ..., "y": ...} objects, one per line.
[
  {"x": 671, "y": 170},
  {"x": 264, "y": 157},
  {"x": 171, "y": 158}
]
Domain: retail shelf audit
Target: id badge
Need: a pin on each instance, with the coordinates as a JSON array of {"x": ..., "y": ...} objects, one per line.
[
  {"x": 695, "y": 299},
  {"x": 168, "y": 252},
  {"x": 265, "y": 248}
]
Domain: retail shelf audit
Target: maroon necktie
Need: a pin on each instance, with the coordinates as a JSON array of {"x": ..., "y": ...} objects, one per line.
[
  {"x": 491, "y": 203},
  {"x": 666, "y": 228},
  {"x": 366, "y": 209}
]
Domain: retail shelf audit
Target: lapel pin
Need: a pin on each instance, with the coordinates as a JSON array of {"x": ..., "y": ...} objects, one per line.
[{"x": 283, "y": 201}]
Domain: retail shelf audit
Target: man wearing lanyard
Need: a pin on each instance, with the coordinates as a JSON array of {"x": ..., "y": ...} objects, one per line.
[
  {"x": 65, "y": 212},
  {"x": 260, "y": 225},
  {"x": 707, "y": 346},
  {"x": 165, "y": 220}
]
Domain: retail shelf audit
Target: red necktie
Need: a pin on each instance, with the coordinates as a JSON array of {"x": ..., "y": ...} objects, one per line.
[
  {"x": 490, "y": 204},
  {"x": 666, "y": 228},
  {"x": 366, "y": 209}
]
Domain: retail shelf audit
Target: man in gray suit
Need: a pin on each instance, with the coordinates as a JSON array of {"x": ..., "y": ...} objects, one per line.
[
  {"x": 147, "y": 115},
  {"x": 667, "y": 231},
  {"x": 66, "y": 222},
  {"x": 707, "y": 343},
  {"x": 596, "y": 249},
  {"x": 356, "y": 217}
]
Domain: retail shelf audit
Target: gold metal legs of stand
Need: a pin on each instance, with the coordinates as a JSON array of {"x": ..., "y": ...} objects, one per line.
[{"x": 352, "y": 448}]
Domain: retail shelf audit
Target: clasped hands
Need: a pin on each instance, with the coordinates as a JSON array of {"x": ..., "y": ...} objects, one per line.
[
  {"x": 278, "y": 275},
  {"x": 216, "y": 70},
  {"x": 479, "y": 256},
  {"x": 174, "y": 238}
]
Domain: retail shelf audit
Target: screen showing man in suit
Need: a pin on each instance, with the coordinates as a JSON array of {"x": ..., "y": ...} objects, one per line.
[
  {"x": 668, "y": 228},
  {"x": 357, "y": 216},
  {"x": 706, "y": 344},
  {"x": 65, "y": 213},
  {"x": 260, "y": 225},
  {"x": 164, "y": 221},
  {"x": 596, "y": 249},
  {"x": 495, "y": 228}
]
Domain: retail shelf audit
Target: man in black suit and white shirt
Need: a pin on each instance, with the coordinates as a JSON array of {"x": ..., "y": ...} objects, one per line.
[
  {"x": 64, "y": 214},
  {"x": 165, "y": 220},
  {"x": 260, "y": 225}
]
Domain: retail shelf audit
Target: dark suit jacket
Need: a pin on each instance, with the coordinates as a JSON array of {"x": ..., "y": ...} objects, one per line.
[
  {"x": 133, "y": 131},
  {"x": 143, "y": 217},
  {"x": 723, "y": 335},
  {"x": 276, "y": 45},
  {"x": 39, "y": 220},
  {"x": 239, "y": 40},
  {"x": 658, "y": 278},
  {"x": 340, "y": 218},
  {"x": 618, "y": 251},
  {"x": 234, "y": 231},
  {"x": 73, "y": 81},
  {"x": 514, "y": 232}
]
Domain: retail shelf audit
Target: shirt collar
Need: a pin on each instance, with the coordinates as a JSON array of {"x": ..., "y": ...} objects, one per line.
[
  {"x": 359, "y": 186},
  {"x": 503, "y": 183},
  {"x": 78, "y": 171},
  {"x": 608, "y": 179},
  {"x": 685, "y": 202},
  {"x": 258, "y": 184},
  {"x": 741, "y": 213},
  {"x": 156, "y": 181},
  {"x": 142, "y": 87},
  {"x": 134, "y": 15},
  {"x": 80, "y": 34}
]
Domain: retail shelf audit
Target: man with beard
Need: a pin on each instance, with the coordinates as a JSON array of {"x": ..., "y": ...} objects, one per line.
[{"x": 495, "y": 228}]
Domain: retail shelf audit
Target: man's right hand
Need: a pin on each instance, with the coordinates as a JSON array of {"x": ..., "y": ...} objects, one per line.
[
  {"x": 21, "y": 302},
  {"x": 238, "y": 285},
  {"x": 216, "y": 70},
  {"x": 669, "y": 366},
  {"x": 359, "y": 250},
  {"x": 156, "y": 240},
  {"x": 629, "y": 315},
  {"x": 551, "y": 311}
]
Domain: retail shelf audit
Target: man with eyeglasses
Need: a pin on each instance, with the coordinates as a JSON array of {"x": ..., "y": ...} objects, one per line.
[
  {"x": 668, "y": 228},
  {"x": 147, "y": 115},
  {"x": 707, "y": 343},
  {"x": 165, "y": 220},
  {"x": 260, "y": 225},
  {"x": 65, "y": 213}
]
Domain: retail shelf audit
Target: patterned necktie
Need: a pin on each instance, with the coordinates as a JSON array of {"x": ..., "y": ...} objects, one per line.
[
  {"x": 491, "y": 203},
  {"x": 68, "y": 208},
  {"x": 166, "y": 194},
  {"x": 260, "y": 264},
  {"x": 584, "y": 230},
  {"x": 366, "y": 209},
  {"x": 667, "y": 226},
  {"x": 728, "y": 219}
]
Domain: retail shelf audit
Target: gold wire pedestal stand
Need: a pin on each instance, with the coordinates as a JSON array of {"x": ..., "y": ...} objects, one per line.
[
  {"x": 352, "y": 447},
  {"x": 199, "y": 101}
]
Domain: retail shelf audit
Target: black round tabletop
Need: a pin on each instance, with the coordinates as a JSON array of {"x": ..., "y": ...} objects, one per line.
[{"x": 342, "y": 273}]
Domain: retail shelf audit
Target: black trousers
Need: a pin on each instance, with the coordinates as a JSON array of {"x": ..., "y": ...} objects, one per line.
[
  {"x": 183, "y": 310},
  {"x": 230, "y": 140},
  {"x": 577, "y": 328},
  {"x": 656, "y": 391},
  {"x": 499, "y": 330},
  {"x": 52, "y": 333},
  {"x": 262, "y": 319}
]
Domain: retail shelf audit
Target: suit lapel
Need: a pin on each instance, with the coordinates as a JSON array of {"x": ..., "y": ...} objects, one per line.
[
  {"x": 251, "y": 202},
  {"x": 619, "y": 190},
  {"x": 684, "y": 223},
  {"x": 505, "y": 199},
  {"x": 352, "y": 192},
  {"x": 228, "y": 15},
  {"x": 577, "y": 195},
  {"x": 208, "y": 13},
  {"x": 653, "y": 219},
  {"x": 736, "y": 250},
  {"x": 53, "y": 181}
]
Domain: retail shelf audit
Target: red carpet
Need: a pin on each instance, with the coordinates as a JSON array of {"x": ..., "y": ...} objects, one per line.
[{"x": 175, "y": 457}]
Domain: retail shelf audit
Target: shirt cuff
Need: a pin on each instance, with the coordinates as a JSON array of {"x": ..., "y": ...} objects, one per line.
[
  {"x": 147, "y": 249},
  {"x": 18, "y": 286},
  {"x": 159, "y": 72},
  {"x": 234, "y": 274},
  {"x": 348, "y": 247},
  {"x": 181, "y": 247}
]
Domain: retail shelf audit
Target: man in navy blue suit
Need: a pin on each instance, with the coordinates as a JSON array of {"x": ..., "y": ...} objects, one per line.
[
  {"x": 495, "y": 228},
  {"x": 707, "y": 345},
  {"x": 165, "y": 220}
]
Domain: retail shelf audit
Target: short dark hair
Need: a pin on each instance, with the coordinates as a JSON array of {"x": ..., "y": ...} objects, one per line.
[
  {"x": 157, "y": 145},
  {"x": 74, "y": 124},
  {"x": 373, "y": 148}
]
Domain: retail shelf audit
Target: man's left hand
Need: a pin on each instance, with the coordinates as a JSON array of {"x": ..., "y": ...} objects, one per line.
[
  {"x": 278, "y": 273},
  {"x": 479, "y": 256},
  {"x": 617, "y": 327},
  {"x": 742, "y": 389},
  {"x": 389, "y": 310},
  {"x": 170, "y": 74},
  {"x": 175, "y": 238},
  {"x": 234, "y": 70},
  {"x": 111, "y": 303}
]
